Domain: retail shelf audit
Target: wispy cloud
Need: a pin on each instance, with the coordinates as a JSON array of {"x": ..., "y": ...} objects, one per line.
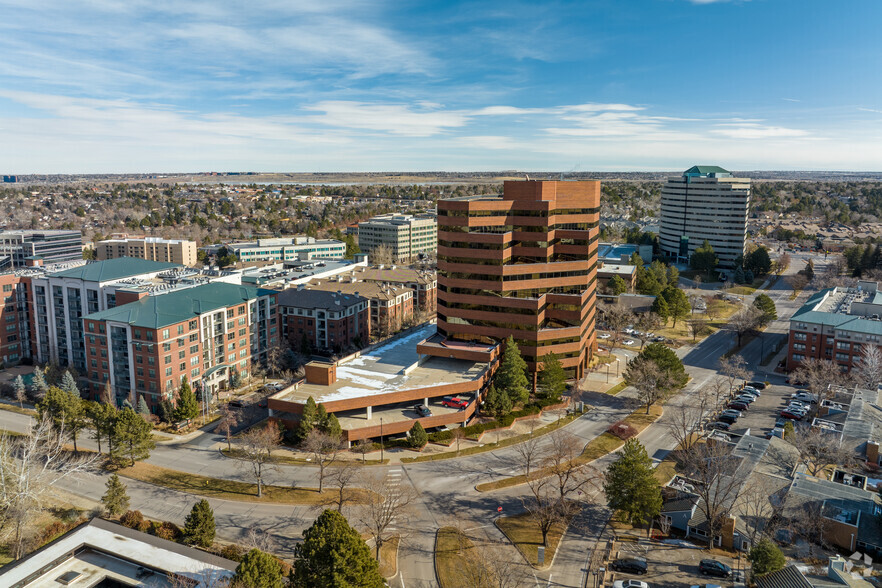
[{"x": 756, "y": 131}]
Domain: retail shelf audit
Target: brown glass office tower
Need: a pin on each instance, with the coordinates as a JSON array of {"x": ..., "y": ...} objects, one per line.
[{"x": 523, "y": 264}]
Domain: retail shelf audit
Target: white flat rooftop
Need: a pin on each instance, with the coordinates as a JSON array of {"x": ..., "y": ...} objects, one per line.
[{"x": 390, "y": 367}]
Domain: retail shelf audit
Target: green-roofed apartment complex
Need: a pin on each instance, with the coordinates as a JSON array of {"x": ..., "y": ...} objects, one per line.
[
  {"x": 836, "y": 324},
  {"x": 147, "y": 347},
  {"x": 136, "y": 325}
]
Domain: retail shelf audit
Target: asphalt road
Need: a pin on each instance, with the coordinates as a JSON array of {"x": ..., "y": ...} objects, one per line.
[{"x": 446, "y": 488}]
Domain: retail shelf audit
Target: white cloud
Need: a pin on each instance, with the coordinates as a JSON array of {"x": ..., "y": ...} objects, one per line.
[
  {"x": 757, "y": 131},
  {"x": 396, "y": 119}
]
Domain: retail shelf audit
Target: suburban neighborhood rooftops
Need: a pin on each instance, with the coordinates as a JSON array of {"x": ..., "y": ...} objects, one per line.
[
  {"x": 115, "y": 269},
  {"x": 161, "y": 310}
]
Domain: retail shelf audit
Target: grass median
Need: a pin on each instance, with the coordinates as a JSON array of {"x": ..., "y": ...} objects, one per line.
[
  {"x": 20, "y": 410},
  {"x": 564, "y": 420},
  {"x": 523, "y": 532},
  {"x": 228, "y": 489},
  {"x": 595, "y": 449}
]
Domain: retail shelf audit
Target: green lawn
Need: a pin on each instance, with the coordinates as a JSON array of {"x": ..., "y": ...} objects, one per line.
[{"x": 525, "y": 535}]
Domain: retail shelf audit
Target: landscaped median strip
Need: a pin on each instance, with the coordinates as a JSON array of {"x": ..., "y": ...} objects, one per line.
[
  {"x": 524, "y": 534},
  {"x": 494, "y": 446},
  {"x": 227, "y": 489},
  {"x": 594, "y": 449}
]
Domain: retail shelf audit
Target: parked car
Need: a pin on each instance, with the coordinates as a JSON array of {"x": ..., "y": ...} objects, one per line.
[
  {"x": 630, "y": 565},
  {"x": 794, "y": 382},
  {"x": 423, "y": 410},
  {"x": 749, "y": 390},
  {"x": 757, "y": 385},
  {"x": 738, "y": 405},
  {"x": 781, "y": 422},
  {"x": 727, "y": 418},
  {"x": 712, "y": 567},
  {"x": 658, "y": 339},
  {"x": 628, "y": 342},
  {"x": 794, "y": 416},
  {"x": 746, "y": 398},
  {"x": 630, "y": 584},
  {"x": 731, "y": 412},
  {"x": 454, "y": 402},
  {"x": 804, "y": 397},
  {"x": 236, "y": 404},
  {"x": 720, "y": 426},
  {"x": 604, "y": 336}
]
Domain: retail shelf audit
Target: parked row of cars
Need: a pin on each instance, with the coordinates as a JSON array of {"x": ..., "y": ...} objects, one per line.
[
  {"x": 799, "y": 406},
  {"x": 746, "y": 396},
  {"x": 448, "y": 401},
  {"x": 638, "y": 566}
]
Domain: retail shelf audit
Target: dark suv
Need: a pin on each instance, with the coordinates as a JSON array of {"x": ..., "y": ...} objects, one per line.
[
  {"x": 712, "y": 567},
  {"x": 630, "y": 565}
]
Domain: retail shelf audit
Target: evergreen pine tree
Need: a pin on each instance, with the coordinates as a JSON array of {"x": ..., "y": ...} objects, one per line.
[
  {"x": 511, "y": 377},
  {"x": 259, "y": 569},
  {"x": 660, "y": 309},
  {"x": 810, "y": 269},
  {"x": 418, "y": 437},
  {"x": 143, "y": 409},
  {"x": 321, "y": 417},
  {"x": 305, "y": 345},
  {"x": 188, "y": 407},
  {"x": 765, "y": 557},
  {"x": 748, "y": 277},
  {"x": 739, "y": 275},
  {"x": 334, "y": 554},
  {"x": 497, "y": 404},
  {"x": 166, "y": 412},
  {"x": 333, "y": 428},
  {"x": 617, "y": 285},
  {"x": 38, "y": 385},
  {"x": 69, "y": 384},
  {"x": 630, "y": 487},
  {"x": 199, "y": 525},
  {"x": 307, "y": 419},
  {"x": 132, "y": 437},
  {"x": 115, "y": 499},
  {"x": 552, "y": 378}
]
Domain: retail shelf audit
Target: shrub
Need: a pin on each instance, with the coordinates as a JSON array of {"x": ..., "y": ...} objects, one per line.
[
  {"x": 167, "y": 530},
  {"x": 133, "y": 519},
  {"x": 622, "y": 430},
  {"x": 54, "y": 530},
  {"x": 232, "y": 552}
]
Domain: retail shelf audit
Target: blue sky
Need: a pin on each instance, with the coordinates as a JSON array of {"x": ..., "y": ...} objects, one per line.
[{"x": 348, "y": 85}]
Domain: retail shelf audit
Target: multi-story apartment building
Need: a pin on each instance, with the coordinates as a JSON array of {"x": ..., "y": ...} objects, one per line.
[
  {"x": 392, "y": 306},
  {"x": 288, "y": 249},
  {"x": 15, "y": 323},
  {"x": 523, "y": 264},
  {"x": 153, "y": 248},
  {"x": 705, "y": 203},
  {"x": 327, "y": 321},
  {"x": 147, "y": 346},
  {"x": 423, "y": 282},
  {"x": 51, "y": 246},
  {"x": 836, "y": 324},
  {"x": 405, "y": 235},
  {"x": 59, "y": 300}
]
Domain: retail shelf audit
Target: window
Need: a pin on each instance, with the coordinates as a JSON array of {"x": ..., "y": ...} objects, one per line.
[
  {"x": 181, "y": 354},
  {"x": 166, "y": 346},
  {"x": 167, "y": 359},
  {"x": 151, "y": 360},
  {"x": 168, "y": 371},
  {"x": 165, "y": 333},
  {"x": 183, "y": 366},
  {"x": 180, "y": 329}
]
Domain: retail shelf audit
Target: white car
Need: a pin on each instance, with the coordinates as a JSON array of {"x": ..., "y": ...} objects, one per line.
[
  {"x": 803, "y": 397},
  {"x": 604, "y": 336},
  {"x": 630, "y": 584},
  {"x": 628, "y": 342}
]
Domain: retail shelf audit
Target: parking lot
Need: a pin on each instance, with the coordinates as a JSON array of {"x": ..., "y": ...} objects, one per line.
[
  {"x": 760, "y": 418},
  {"x": 672, "y": 565}
]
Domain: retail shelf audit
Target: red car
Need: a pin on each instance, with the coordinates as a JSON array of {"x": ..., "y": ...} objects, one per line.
[
  {"x": 786, "y": 414},
  {"x": 453, "y": 402}
]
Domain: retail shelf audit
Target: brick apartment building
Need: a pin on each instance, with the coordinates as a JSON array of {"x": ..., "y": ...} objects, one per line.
[
  {"x": 423, "y": 282},
  {"x": 523, "y": 264},
  {"x": 15, "y": 323},
  {"x": 178, "y": 251},
  {"x": 328, "y": 321},
  {"x": 392, "y": 307},
  {"x": 835, "y": 324},
  {"x": 146, "y": 345}
]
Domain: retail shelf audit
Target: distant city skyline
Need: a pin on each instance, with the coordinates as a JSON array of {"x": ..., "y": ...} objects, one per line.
[{"x": 99, "y": 86}]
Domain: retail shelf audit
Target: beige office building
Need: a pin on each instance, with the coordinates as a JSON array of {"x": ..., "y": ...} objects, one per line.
[
  {"x": 152, "y": 248},
  {"x": 406, "y": 235},
  {"x": 705, "y": 203}
]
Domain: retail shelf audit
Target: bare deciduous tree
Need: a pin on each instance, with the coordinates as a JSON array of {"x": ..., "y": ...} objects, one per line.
[
  {"x": 529, "y": 453},
  {"x": 341, "y": 476},
  {"x": 324, "y": 449},
  {"x": 809, "y": 522},
  {"x": 869, "y": 372},
  {"x": 798, "y": 282},
  {"x": 543, "y": 506},
  {"x": 257, "y": 447},
  {"x": 31, "y": 466},
  {"x": 734, "y": 368},
  {"x": 819, "y": 449},
  {"x": 697, "y": 327},
  {"x": 618, "y": 316},
  {"x": 386, "y": 503},
  {"x": 819, "y": 375},
  {"x": 570, "y": 476},
  {"x": 759, "y": 503},
  {"x": 382, "y": 255},
  {"x": 782, "y": 263},
  {"x": 229, "y": 420},
  {"x": 684, "y": 420},
  {"x": 744, "y": 321},
  {"x": 485, "y": 564},
  {"x": 713, "y": 469}
]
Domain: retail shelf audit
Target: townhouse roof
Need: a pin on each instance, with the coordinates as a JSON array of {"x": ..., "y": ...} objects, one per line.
[
  {"x": 373, "y": 290},
  {"x": 115, "y": 269},
  {"x": 789, "y": 577},
  {"x": 394, "y": 273},
  {"x": 306, "y": 298},
  {"x": 162, "y": 310}
]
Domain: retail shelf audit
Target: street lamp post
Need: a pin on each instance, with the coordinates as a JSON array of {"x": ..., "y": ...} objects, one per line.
[{"x": 382, "y": 454}]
